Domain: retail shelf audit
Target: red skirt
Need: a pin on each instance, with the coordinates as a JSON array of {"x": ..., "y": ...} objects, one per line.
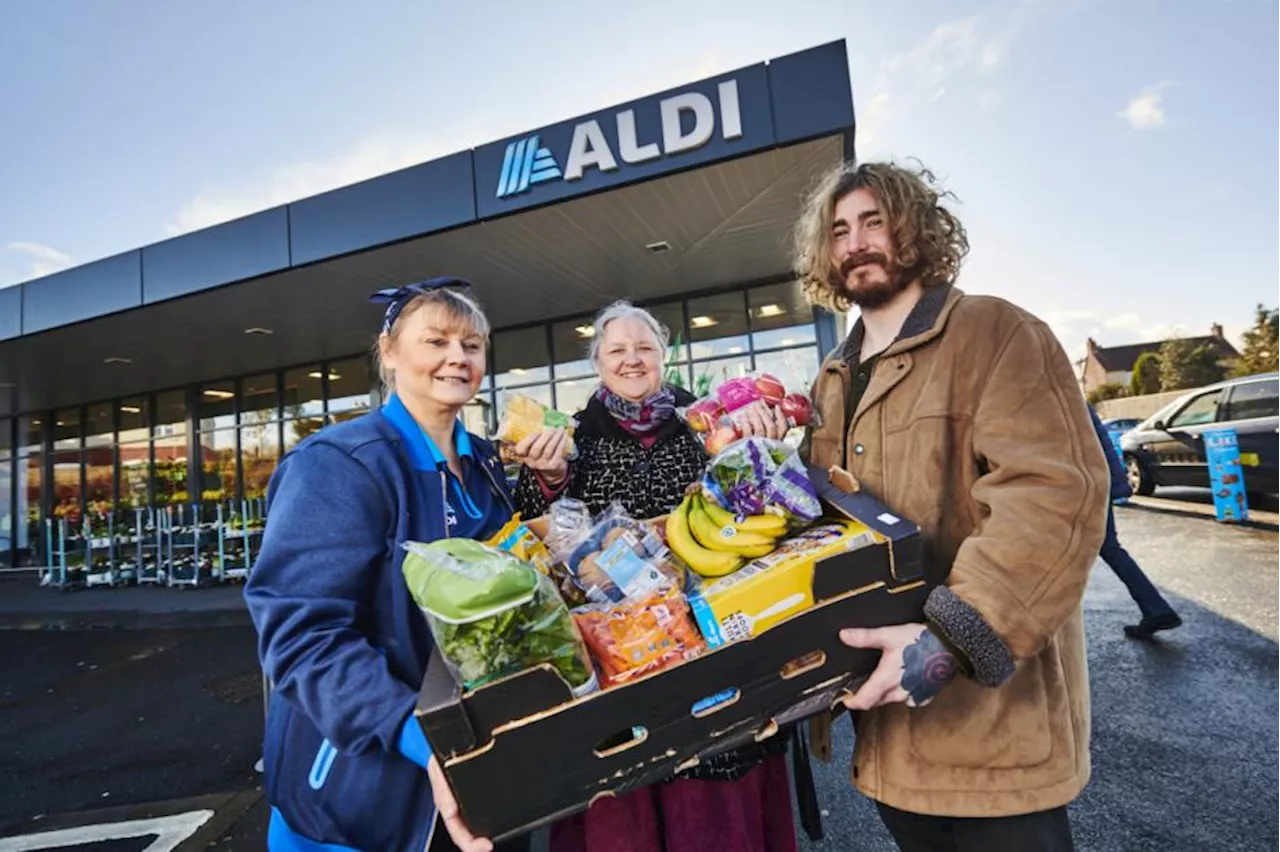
[{"x": 751, "y": 814}]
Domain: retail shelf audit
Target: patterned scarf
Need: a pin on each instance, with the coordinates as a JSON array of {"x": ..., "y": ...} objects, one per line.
[{"x": 639, "y": 418}]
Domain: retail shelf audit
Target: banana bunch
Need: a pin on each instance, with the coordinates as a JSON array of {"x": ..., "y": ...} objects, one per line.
[{"x": 712, "y": 542}]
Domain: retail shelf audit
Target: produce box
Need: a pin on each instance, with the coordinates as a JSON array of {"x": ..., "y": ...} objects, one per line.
[{"x": 521, "y": 752}]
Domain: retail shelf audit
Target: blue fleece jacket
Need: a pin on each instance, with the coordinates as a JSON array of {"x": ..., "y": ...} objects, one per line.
[{"x": 340, "y": 637}]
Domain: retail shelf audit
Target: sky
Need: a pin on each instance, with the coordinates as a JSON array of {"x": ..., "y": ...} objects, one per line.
[{"x": 1115, "y": 163}]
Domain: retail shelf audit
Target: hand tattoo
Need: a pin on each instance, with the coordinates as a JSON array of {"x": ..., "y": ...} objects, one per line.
[{"x": 927, "y": 666}]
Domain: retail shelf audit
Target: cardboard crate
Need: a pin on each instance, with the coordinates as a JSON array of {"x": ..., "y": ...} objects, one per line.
[{"x": 521, "y": 752}]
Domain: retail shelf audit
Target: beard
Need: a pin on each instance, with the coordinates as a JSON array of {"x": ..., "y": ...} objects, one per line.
[{"x": 871, "y": 293}]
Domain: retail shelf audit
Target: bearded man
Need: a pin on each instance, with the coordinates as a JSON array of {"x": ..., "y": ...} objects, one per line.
[{"x": 962, "y": 414}]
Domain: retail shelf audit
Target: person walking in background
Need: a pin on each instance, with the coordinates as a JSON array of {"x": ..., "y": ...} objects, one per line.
[{"x": 1157, "y": 614}]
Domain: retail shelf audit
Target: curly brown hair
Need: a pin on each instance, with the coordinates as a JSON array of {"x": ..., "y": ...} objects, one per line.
[{"x": 929, "y": 241}]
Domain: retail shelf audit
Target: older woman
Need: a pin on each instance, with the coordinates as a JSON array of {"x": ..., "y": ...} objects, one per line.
[
  {"x": 633, "y": 448},
  {"x": 347, "y": 765}
]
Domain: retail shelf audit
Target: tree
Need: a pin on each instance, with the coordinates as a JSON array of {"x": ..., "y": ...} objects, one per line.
[
  {"x": 1146, "y": 375},
  {"x": 1106, "y": 391},
  {"x": 1261, "y": 350},
  {"x": 1187, "y": 364}
]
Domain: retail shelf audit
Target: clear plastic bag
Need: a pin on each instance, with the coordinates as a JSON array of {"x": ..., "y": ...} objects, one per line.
[
  {"x": 757, "y": 475},
  {"x": 639, "y": 635},
  {"x": 717, "y": 418},
  {"x": 622, "y": 558},
  {"x": 524, "y": 416},
  {"x": 492, "y": 614}
]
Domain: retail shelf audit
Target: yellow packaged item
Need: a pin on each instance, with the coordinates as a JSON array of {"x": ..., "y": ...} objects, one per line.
[
  {"x": 517, "y": 539},
  {"x": 525, "y": 416},
  {"x": 774, "y": 587}
]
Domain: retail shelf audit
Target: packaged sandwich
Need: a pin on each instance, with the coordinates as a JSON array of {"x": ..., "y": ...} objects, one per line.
[{"x": 525, "y": 416}]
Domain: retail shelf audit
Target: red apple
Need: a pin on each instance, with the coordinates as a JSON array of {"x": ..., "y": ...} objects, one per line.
[
  {"x": 798, "y": 408},
  {"x": 703, "y": 414},
  {"x": 724, "y": 434},
  {"x": 771, "y": 388}
]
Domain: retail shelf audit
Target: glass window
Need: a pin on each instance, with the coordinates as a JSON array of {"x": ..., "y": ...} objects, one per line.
[
  {"x": 66, "y": 429},
  {"x": 6, "y": 438},
  {"x": 66, "y": 486},
  {"x": 570, "y": 341},
  {"x": 797, "y": 368},
  {"x": 520, "y": 356},
  {"x": 217, "y": 406},
  {"x": 718, "y": 325},
  {"x": 30, "y": 435},
  {"x": 780, "y": 316},
  {"x": 259, "y": 399},
  {"x": 99, "y": 476},
  {"x": 572, "y": 395},
  {"x": 6, "y": 509},
  {"x": 135, "y": 462},
  {"x": 671, "y": 315},
  {"x": 217, "y": 465},
  {"x": 304, "y": 392},
  {"x": 259, "y": 454},
  {"x": 475, "y": 416},
  {"x": 99, "y": 431},
  {"x": 133, "y": 420},
  {"x": 1253, "y": 399},
  {"x": 1198, "y": 411},
  {"x": 349, "y": 386},
  {"x": 709, "y": 374},
  {"x": 29, "y": 471}
]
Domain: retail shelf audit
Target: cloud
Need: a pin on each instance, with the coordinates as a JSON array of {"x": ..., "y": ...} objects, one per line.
[
  {"x": 1146, "y": 110},
  {"x": 959, "y": 58},
  {"x": 1140, "y": 330},
  {"x": 40, "y": 259},
  {"x": 371, "y": 156}
]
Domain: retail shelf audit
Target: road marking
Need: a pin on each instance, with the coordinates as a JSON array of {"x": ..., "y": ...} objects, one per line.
[{"x": 169, "y": 830}]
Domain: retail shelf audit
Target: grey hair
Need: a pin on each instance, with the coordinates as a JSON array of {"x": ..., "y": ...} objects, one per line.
[{"x": 622, "y": 309}]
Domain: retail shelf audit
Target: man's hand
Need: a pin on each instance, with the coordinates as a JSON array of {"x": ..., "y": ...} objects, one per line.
[
  {"x": 914, "y": 665},
  {"x": 761, "y": 420},
  {"x": 544, "y": 453},
  {"x": 448, "y": 809}
]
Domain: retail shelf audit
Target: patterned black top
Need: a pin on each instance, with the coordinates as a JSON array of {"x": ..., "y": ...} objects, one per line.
[{"x": 614, "y": 465}]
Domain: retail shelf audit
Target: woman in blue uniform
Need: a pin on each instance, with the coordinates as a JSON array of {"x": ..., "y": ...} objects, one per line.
[{"x": 340, "y": 637}]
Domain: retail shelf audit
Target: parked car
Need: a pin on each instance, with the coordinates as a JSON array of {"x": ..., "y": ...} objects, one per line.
[
  {"x": 1121, "y": 424},
  {"x": 1167, "y": 448}
]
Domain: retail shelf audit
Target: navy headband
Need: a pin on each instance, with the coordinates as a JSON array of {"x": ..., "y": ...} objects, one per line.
[{"x": 396, "y": 298}]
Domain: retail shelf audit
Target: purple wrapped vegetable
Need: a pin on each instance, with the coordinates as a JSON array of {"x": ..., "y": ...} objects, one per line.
[{"x": 756, "y": 475}]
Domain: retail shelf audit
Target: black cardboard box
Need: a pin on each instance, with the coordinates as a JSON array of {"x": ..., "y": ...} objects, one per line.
[{"x": 521, "y": 752}]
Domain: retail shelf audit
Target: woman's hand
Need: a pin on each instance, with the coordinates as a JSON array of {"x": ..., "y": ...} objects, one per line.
[
  {"x": 448, "y": 809},
  {"x": 544, "y": 454},
  {"x": 761, "y": 420}
]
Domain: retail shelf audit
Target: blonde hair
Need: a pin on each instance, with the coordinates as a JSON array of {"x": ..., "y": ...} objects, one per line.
[
  {"x": 929, "y": 241},
  {"x": 461, "y": 313}
]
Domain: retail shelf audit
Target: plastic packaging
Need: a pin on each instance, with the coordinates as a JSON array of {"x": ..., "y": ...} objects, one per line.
[
  {"x": 640, "y": 635},
  {"x": 623, "y": 558},
  {"x": 569, "y": 523},
  {"x": 492, "y": 614},
  {"x": 718, "y": 417},
  {"x": 525, "y": 416},
  {"x": 757, "y": 475}
]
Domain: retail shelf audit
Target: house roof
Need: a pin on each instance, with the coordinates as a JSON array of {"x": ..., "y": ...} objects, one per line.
[{"x": 1116, "y": 359}]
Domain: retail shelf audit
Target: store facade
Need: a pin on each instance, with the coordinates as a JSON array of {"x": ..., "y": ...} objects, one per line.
[{"x": 178, "y": 374}]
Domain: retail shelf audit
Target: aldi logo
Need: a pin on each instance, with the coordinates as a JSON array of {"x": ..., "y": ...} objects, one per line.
[{"x": 688, "y": 120}]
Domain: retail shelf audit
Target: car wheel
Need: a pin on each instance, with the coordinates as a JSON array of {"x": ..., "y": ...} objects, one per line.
[{"x": 1139, "y": 480}]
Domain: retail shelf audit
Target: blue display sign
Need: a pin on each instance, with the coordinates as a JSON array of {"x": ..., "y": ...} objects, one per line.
[
  {"x": 725, "y": 116},
  {"x": 1226, "y": 475}
]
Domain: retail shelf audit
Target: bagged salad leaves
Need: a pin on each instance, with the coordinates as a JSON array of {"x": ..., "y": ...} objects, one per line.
[
  {"x": 757, "y": 475},
  {"x": 492, "y": 614}
]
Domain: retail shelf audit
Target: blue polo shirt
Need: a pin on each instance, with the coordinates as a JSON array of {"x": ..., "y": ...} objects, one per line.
[{"x": 472, "y": 509}]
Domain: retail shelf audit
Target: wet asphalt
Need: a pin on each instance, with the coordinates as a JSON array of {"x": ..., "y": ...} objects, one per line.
[{"x": 1184, "y": 728}]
